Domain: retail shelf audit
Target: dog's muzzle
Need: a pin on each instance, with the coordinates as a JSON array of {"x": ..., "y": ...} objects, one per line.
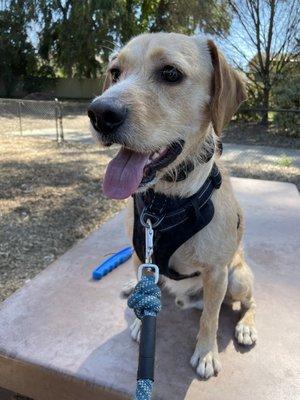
[{"x": 107, "y": 115}]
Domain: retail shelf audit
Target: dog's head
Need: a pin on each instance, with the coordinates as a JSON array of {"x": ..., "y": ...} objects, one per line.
[{"x": 159, "y": 94}]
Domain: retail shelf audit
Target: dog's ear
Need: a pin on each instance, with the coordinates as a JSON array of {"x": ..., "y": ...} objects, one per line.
[{"x": 228, "y": 90}]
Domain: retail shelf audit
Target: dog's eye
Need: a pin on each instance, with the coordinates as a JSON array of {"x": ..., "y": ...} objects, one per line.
[
  {"x": 171, "y": 74},
  {"x": 115, "y": 74}
]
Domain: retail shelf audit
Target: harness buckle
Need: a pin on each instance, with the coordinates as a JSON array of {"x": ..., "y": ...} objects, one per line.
[{"x": 148, "y": 269}]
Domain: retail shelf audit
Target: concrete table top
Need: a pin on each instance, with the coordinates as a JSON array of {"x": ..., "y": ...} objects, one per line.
[{"x": 64, "y": 336}]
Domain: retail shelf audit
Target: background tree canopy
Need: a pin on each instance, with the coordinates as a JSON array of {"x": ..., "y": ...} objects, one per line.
[
  {"x": 70, "y": 38},
  {"x": 17, "y": 54},
  {"x": 77, "y": 37},
  {"x": 74, "y": 38}
]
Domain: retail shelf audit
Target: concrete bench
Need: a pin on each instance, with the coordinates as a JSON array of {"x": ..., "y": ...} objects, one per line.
[{"x": 64, "y": 336}]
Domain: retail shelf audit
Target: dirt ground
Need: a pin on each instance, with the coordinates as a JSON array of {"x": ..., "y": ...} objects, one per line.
[
  {"x": 50, "y": 197},
  {"x": 253, "y": 133},
  {"x": 38, "y": 116},
  {"x": 271, "y": 172}
]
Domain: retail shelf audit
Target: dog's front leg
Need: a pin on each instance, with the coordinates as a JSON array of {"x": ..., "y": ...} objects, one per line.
[{"x": 205, "y": 358}]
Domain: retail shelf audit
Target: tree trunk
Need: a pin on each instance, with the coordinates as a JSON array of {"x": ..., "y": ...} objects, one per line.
[
  {"x": 161, "y": 19},
  {"x": 265, "y": 104}
]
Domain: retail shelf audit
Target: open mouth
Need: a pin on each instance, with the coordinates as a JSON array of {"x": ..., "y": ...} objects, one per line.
[{"x": 130, "y": 170}]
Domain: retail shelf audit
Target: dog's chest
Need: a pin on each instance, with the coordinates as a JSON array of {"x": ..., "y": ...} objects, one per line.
[
  {"x": 191, "y": 256},
  {"x": 185, "y": 261}
]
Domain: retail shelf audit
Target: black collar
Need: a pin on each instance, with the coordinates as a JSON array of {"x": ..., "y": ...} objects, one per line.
[
  {"x": 186, "y": 167},
  {"x": 165, "y": 211}
]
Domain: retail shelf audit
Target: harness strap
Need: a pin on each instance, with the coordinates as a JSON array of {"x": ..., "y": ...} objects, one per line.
[{"x": 175, "y": 221}]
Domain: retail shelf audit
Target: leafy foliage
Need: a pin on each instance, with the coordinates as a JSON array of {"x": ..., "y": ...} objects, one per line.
[
  {"x": 185, "y": 16},
  {"x": 76, "y": 37},
  {"x": 74, "y": 33},
  {"x": 269, "y": 30},
  {"x": 17, "y": 55},
  {"x": 286, "y": 96}
]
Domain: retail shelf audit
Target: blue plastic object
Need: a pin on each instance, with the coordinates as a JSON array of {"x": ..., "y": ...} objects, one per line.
[{"x": 112, "y": 262}]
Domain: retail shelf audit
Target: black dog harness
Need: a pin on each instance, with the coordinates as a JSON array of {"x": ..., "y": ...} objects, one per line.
[{"x": 174, "y": 219}]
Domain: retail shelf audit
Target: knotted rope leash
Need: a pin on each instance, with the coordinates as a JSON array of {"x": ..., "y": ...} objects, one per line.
[
  {"x": 145, "y": 301},
  {"x": 181, "y": 220}
]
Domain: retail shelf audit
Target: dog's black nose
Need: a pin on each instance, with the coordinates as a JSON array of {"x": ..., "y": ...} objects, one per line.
[{"x": 107, "y": 115}]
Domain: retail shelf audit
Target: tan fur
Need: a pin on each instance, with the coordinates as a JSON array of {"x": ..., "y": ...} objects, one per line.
[
  {"x": 194, "y": 109},
  {"x": 228, "y": 90}
]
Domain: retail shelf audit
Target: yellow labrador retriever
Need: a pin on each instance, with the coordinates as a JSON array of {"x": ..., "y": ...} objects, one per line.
[{"x": 162, "y": 90}]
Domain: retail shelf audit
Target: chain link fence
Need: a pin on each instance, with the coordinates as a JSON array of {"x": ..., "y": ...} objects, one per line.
[
  {"x": 50, "y": 119},
  {"x": 68, "y": 120}
]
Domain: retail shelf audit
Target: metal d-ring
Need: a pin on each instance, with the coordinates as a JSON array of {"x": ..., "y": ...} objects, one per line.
[
  {"x": 155, "y": 220},
  {"x": 148, "y": 269}
]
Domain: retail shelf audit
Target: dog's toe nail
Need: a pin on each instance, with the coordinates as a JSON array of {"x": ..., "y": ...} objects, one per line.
[{"x": 217, "y": 366}]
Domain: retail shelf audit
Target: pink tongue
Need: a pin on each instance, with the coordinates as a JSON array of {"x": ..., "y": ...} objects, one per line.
[{"x": 124, "y": 173}]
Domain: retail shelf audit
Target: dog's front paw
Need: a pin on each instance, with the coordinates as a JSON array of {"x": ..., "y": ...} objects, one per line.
[
  {"x": 245, "y": 334},
  {"x": 135, "y": 330},
  {"x": 207, "y": 363}
]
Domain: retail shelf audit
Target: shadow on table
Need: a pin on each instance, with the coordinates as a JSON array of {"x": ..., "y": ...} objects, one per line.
[{"x": 114, "y": 364}]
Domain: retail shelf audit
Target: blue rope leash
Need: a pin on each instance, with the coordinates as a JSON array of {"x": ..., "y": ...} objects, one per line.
[
  {"x": 143, "y": 389},
  {"x": 145, "y": 301}
]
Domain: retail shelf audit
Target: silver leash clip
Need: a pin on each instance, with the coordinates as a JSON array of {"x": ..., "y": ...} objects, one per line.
[
  {"x": 149, "y": 241},
  {"x": 148, "y": 268}
]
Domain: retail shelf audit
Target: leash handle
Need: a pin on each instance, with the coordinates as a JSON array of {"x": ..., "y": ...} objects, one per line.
[
  {"x": 145, "y": 301},
  {"x": 147, "y": 348}
]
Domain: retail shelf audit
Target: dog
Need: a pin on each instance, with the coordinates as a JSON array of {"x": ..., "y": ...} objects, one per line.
[{"x": 163, "y": 89}]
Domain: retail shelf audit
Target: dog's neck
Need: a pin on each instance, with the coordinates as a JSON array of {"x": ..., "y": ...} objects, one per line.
[{"x": 196, "y": 178}]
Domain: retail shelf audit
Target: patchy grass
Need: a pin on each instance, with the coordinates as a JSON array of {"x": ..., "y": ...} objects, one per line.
[
  {"x": 267, "y": 172},
  {"x": 285, "y": 161},
  {"x": 50, "y": 197}
]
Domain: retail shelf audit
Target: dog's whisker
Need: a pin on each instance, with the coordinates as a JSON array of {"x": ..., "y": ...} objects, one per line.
[{"x": 107, "y": 48}]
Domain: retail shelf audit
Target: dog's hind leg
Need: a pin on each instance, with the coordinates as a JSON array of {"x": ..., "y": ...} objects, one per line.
[{"x": 240, "y": 288}]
